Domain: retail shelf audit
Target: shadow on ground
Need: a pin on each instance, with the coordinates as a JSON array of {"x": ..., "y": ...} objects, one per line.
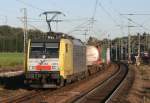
[{"x": 12, "y": 83}]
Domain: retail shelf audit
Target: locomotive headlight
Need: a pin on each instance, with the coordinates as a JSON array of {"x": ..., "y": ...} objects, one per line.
[
  {"x": 44, "y": 56},
  {"x": 31, "y": 67}
]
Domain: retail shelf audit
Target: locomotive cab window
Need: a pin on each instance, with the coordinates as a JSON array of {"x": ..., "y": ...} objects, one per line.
[
  {"x": 52, "y": 50},
  {"x": 36, "y": 50}
]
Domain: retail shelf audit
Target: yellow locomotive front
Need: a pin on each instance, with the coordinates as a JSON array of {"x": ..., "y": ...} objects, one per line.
[{"x": 43, "y": 63}]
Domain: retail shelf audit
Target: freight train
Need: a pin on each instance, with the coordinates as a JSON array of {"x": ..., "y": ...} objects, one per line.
[{"x": 52, "y": 63}]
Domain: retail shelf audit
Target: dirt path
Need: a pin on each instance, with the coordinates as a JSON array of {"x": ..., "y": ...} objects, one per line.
[
  {"x": 140, "y": 91},
  {"x": 10, "y": 69}
]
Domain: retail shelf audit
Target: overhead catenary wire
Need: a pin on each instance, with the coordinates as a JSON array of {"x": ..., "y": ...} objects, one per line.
[
  {"x": 140, "y": 25},
  {"x": 118, "y": 13},
  {"x": 95, "y": 8},
  {"x": 30, "y": 5},
  {"x": 132, "y": 14},
  {"x": 91, "y": 23},
  {"x": 29, "y": 24},
  {"x": 78, "y": 26},
  {"x": 146, "y": 21},
  {"x": 115, "y": 22},
  {"x": 64, "y": 20}
]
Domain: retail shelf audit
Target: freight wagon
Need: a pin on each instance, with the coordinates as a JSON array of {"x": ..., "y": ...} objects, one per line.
[{"x": 93, "y": 59}]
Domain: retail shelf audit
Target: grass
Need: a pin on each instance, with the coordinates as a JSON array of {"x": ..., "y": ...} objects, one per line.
[{"x": 11, "y": 59}]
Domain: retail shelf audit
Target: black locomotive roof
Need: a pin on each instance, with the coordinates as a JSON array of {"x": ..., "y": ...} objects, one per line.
[
  {"x": 46, "y": 40},
  {"x": 55, "y": 38}
]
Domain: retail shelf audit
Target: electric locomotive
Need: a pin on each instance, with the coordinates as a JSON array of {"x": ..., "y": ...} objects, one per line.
[{"x": 53, "y": 62}]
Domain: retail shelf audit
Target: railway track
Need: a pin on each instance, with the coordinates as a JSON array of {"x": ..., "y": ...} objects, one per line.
[
  {"x": 29, "y": 96},
  {"x": 99, "y": 94},
  {"x": 105, "y": 91},
  {"x": 21, "y": 97}
]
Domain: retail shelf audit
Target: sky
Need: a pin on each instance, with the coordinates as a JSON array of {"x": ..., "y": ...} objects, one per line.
[{"x": 109, "y": 21}]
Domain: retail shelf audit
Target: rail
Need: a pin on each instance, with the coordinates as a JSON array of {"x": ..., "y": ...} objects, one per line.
[{"x": 103, "y": 93}]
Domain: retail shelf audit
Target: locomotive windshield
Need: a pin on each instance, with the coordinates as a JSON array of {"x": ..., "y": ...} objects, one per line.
[{"x": 50, "y": 50}]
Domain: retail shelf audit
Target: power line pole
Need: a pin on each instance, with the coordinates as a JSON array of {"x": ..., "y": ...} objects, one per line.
[
  {"x": 25, "y": 28},
  {"x": 121, "y": 47},
  {"x": 139, "y": 49},
  {"x": 136, "y": 14},
  {"x": 6, "y": 20},
  {"x": 85, "y": 34},
  {"x": 118, "y": 49},
  {"x": 120, "y": 43},
  {"x": 109, "y": 46},
  {"x": 116, "y": 52},
  {"x": 25, "y": 35},
  {"x": 92, "y": 19},
  {"x": 129, "y": 40},
  {"x": 146, "y": 44}
]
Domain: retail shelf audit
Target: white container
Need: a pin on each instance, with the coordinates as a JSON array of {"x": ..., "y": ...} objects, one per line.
[{"x": 92, "y": 55}]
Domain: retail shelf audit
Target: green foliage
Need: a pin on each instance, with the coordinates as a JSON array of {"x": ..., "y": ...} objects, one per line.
[
  {"x": 11, "y": 59},
  {"x": 11, "y": 39}
]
